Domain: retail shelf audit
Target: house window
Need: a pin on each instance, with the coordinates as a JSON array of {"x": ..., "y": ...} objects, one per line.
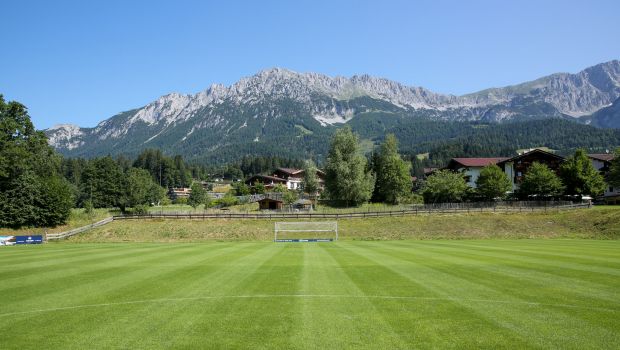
[
  {"x": 519, "y": 173},
  {"x": 611, "y": 188}
]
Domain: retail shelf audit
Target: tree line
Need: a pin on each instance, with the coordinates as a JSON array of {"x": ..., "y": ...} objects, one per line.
[{"x": 33, "y": 191}]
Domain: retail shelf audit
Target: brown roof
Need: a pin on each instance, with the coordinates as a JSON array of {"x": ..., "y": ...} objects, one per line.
[
  {"x": 535, "y": 150},
  {"x": 290, "y": 171},
  {"x": 478, "y": 162},
  {"x": 254, "y": 178},
  {"x": 270, "y": 200},
  {"x": 605, "y": 157}
]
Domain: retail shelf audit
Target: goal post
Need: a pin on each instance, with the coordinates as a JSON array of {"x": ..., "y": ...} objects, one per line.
[{"x": 313, "y": 231}]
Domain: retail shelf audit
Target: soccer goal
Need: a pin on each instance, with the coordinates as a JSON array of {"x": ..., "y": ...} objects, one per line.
[{"x": 314, "y": 231}]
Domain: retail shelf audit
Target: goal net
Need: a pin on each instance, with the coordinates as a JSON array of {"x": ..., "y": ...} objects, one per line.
[{"x": 315, "y": 231}]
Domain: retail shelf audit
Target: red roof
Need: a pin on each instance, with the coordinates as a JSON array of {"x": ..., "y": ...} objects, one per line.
[
  {"x": 478, "y": 162},
  {"x": 605, "y": 157}
]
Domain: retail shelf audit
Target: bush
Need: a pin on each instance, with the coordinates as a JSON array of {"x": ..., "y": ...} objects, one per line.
[
  {"x": 141, "y": 209},
  {"x": 445, "y": 186},
  {"x": 180, "y": 200},
  {"x": 412, "y": 198},
  {"x": 228, "y": 200}
]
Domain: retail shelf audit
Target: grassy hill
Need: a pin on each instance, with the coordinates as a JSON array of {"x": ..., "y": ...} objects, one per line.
[{"x": 597, "y": 223}]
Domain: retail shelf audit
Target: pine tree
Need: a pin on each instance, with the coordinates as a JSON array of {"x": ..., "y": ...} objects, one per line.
[{"x": 105, "y": 184}]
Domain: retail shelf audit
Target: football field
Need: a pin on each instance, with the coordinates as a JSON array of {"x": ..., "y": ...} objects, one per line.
[{"x": 348, "y": 294}]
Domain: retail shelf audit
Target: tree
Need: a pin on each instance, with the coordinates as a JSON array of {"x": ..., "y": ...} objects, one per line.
[
  {"x": 311, "y": 181},
  {"x": 279, "y": 188},
  {"x": 105, "y": 184},
  {"x": 614, "y": 172},
  {"x": 55, "y": 201},
  {"x": 540, "y": 181},
  {"x": 289, "y": 197},
  {"x": 198, "y": 195},
  {"x": 241, "y": 189},
  {"x": 258, "y": 188},
  {"x": 580, "y": 177},
  {"x": 492, "y": 183},
  {"x": 141, "y": 189},
  {"x": 346, "y": 178},
  {"x": 32, "y": 191},
  {"x": 393, "y": 173},
  {"x": 444, "y": 186}
]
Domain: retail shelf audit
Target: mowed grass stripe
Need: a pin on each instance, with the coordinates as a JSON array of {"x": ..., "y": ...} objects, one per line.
[
  {"x": 499, "y": 324},
  {"x": 23, "y": 256},
  {"x": 85, "y": 325},
  {"x": 533, "y": 274},
  {"x": 603, "y": 250},
  {"x": 101, "y": 282},
  {"x": 540, "y": 323},
  {"x": 245, "y": 322},
  {"x": 100, "y": 287},
  {"x": 428, "y": 316},
  {"x": 535, "y": 287},
  {"x": 90, "y": 277},
  {"x": 584, "y": 260},
  {"x": 169, "y": 320},
  {"x": 341, "y": 322},
  {"x": 61, "y": 269},
  {"x": 590, "y": 271},
  {"x": 590, "y": 255}
]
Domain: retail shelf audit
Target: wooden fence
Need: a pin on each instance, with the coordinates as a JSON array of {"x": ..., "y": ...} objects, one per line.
[
  {"x": 414, "y": 210},
  {"x": 418, "y": 210},
  {"x": 62, "y": 235}
]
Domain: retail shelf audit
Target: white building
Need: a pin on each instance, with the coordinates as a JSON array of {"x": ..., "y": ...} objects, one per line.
[
  {"x": 602, "y": 163},
  {"x": 471, "y": 167}
]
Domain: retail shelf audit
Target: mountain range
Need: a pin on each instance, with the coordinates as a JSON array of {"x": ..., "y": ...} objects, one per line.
[{"x": 282, "y": 112}]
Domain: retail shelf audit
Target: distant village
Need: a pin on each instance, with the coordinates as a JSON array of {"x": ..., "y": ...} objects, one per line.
[{"x": 515, "y": 168}]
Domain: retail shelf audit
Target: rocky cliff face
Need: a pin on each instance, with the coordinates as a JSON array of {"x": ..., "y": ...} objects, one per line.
[{"x": 255, "y": 104}]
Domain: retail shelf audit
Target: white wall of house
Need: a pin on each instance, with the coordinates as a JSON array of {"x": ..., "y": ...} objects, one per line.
[
  {"x": 293, "y": 183},
  {"x": 611, "y": 191},
  {"x": 509, "y": 171},
  {"x": 472, "y": 174}
]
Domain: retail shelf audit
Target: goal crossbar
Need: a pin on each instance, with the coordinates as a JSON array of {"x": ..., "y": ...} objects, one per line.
[{"x": 310, "y": 226}]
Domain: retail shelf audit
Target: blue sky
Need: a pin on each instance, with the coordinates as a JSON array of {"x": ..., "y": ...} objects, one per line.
[{"x": 83, "y": 61}]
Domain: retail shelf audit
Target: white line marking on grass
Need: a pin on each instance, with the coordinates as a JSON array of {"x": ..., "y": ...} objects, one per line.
[{"x": 270, "y": 296}]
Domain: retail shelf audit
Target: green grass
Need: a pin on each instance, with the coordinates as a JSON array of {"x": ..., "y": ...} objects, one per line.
[
  {"x": 469, "y": 294},
  {"x": 78, "y": 218},
  {"x": 422, "y": 156},
  {"x": 303, "y": 131}
]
